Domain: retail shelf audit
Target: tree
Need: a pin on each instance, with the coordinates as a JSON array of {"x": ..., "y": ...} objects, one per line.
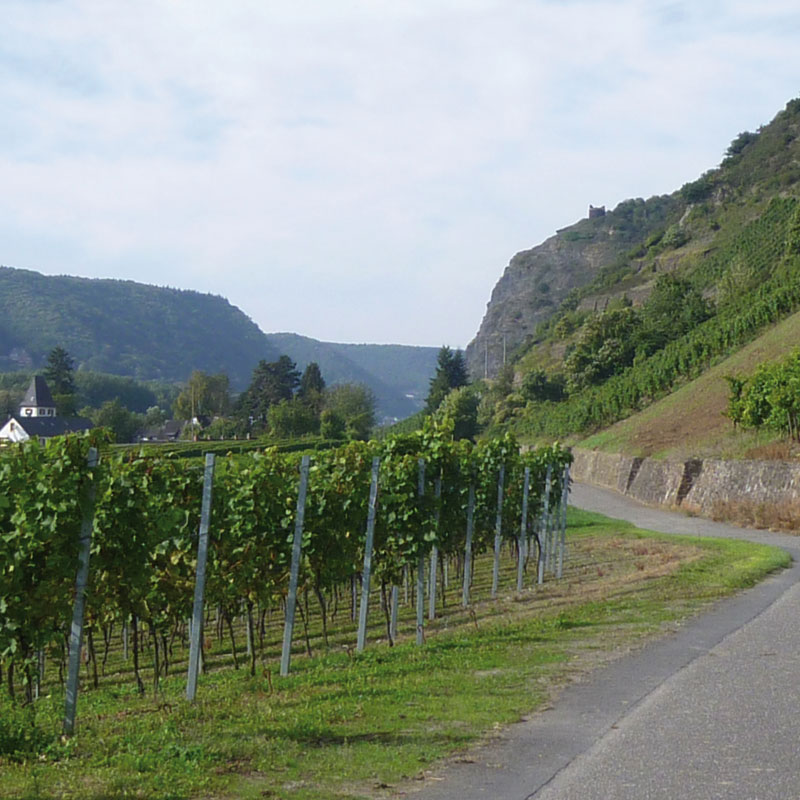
[
  {"x": 155, "y": 417},
  {"x": 674, "y": 308},
  {"x": 331, "y": 425},
  {"x": 451, "y": 373},
  {"x": 606, "y": 344},
  {"x": 312, "y": 381},
  {"x": 312, "y": 387},
  {"x": 113, "y": 415},
  {"x": 744, "y": 139},
  {"x": 59, "y": 372},
  {"x": 292, "y": 418},
  {"x": 204, "y": 394},
  {"x": 272, "y": 382},
  {"x": 60, "y": 378},
  {"x": 354, "y": 405},
  {"x": 9, "y": 403},
  {"x": 461, "y": 406},
  {"x": 537, "y": 385}
]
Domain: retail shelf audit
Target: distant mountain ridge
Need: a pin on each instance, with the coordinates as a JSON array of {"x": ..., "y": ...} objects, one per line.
[
  {"x": 149, "y": 332},
  {"x": 399, "y": 375}
]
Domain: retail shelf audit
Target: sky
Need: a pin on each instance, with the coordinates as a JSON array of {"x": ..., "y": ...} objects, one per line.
[{"x": 359, "y": 170}]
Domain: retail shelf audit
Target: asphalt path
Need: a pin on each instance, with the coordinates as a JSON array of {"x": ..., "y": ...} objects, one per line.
[{"x": 708, "y": 713}]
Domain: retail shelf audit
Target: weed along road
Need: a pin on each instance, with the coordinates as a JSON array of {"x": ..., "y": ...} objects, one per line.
[{"x": 709, "y": 712}]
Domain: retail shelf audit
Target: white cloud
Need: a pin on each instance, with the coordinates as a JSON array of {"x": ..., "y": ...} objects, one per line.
[{"x": 359, "y": 170}]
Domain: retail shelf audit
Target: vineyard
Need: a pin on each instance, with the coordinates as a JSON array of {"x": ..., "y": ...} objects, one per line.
[
  {"x": 769, "y": 398},
  {"x": 761, "y": 261},
  {"x": 283, "y": 533}
]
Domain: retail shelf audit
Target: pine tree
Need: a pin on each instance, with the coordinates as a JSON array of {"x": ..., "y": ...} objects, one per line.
[
  {"x": 272, "y": 382},
  {"x": 312, "y": 388},
  {"x": 451, "y": 373},
  {"x": 59, "y": 372}
]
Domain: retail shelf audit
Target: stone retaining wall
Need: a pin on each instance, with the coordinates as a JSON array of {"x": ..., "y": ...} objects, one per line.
[{"x": 697, "y": 486}]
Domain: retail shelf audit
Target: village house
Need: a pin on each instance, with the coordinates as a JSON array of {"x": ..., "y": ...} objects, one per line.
[
  {"x": 38, "y": 418},
  {"x": 170, "y": 431}
]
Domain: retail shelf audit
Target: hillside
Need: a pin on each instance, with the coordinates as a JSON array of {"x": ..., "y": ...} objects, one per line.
[
  {"x": 537, "y": 281},
  {"x": 692, "y": 231},
  {"x": 155, "y": 333},
  {"x": 721, "y": 265},
  {"x": 691, "y": 422},
  {"x": 125, "y": 328}
]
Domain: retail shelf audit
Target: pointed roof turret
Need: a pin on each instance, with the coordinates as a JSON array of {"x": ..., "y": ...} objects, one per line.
[{"x": 38, "y": 394}]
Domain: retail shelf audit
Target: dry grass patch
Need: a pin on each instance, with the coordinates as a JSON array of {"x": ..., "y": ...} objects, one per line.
[
  {"x": 784, "y": 450},
  {"x": 784, "y": 516}
]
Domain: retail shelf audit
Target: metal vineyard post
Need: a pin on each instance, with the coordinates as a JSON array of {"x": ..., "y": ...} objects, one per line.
[{"x": 200, "y": 580}]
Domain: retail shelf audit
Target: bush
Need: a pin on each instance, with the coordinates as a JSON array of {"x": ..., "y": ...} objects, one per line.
[
  {"x": 674, "y": 237},
  {"x": 292, "y": 418},
  {"x": 697, "y": 191}
]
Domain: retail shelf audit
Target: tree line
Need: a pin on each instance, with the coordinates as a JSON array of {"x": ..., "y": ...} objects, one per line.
[{"x": 280, "y": 401}]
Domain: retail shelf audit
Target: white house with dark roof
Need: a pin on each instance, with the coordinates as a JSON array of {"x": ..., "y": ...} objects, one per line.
[{"x": 38, "y": 418}]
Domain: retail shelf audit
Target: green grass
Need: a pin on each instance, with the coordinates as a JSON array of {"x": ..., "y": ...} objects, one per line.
[{"x": 343, "y": 724}]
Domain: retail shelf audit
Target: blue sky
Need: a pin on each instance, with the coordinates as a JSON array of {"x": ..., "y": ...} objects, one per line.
[{"x": 352, "y": 170}]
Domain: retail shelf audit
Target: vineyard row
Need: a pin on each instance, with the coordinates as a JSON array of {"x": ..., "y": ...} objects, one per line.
[{"x": 377, "y": 510}]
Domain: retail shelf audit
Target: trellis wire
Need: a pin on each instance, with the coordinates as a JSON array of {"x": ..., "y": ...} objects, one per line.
[
  {"x": 421, "y": 564},
  {"x": 437, "y": 493}
]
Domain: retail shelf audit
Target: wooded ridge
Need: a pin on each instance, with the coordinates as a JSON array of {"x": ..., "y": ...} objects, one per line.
[{"x": 157, "y": 333}]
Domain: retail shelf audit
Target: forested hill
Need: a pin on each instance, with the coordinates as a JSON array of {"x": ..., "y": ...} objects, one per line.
[
  {"x": 149, "y": 332},
  {"x": 125, "y": 328}
]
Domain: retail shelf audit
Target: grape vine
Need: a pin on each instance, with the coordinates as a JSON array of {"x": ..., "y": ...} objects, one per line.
[{"x": 146, "y": 516}]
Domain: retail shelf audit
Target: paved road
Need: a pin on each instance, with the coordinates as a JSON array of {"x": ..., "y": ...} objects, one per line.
[{"x": 709, "y": 713}]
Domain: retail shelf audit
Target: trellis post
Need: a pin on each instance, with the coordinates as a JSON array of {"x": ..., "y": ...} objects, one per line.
[
  {"x": 564, "y": 499},
  {"x": 196, "y": 631},
  {"x": 421, "y": 564},
  {"x": 468, "y": 547},
  {"x": 291, "y": 600},
  {"x": 366, "y": 575},
  {"x": 544, "y": 528},
  {"x": 434, "y": 553},
  {"x": 498, "y": 529},
  {"x": 522, "y": 543},
  {"x": 79, "y": 606}
]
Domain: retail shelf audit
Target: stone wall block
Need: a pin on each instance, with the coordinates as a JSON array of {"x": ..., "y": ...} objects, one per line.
[{"x": 696, "y": 486}]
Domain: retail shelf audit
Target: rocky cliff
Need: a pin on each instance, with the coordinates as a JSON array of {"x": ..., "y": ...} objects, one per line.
[{"x": 537, "y": 281}]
